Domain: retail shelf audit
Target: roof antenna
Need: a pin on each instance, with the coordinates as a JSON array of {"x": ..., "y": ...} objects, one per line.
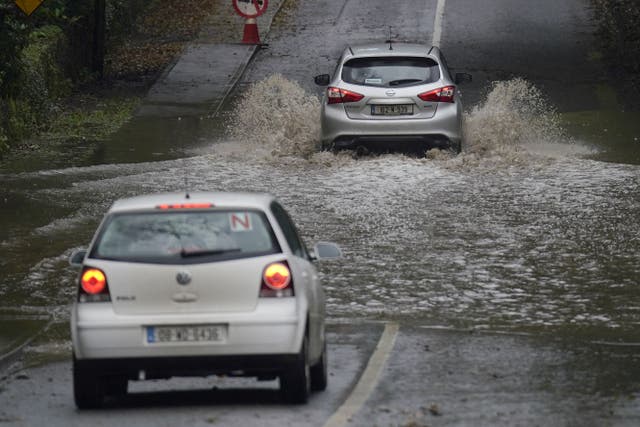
[
  {"x": 184, "y": 167},
  {"x": 186, "y": 185},
  {"x": 390, "y": 41}
]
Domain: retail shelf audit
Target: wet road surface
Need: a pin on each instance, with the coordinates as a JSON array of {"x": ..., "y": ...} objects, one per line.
[{"x": 523, "y": 233}]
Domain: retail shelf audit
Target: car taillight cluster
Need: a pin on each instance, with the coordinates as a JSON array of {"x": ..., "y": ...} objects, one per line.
[
  {"x": 93, "y": 286},
  {"x": 443, "y": 94},
  {"x": 340, "y": 96},
  {"x": 277, "y": 281}
]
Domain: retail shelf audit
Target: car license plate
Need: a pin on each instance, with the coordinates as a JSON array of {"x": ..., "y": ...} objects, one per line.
[
  {"x": 392, "y": 110},
  {"x": 186, "y": 333}
]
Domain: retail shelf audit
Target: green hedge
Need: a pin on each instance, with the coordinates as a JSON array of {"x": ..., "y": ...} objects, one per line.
[
  {"x": 32, "y": 93},
  {"x": 48, "y": 53}
]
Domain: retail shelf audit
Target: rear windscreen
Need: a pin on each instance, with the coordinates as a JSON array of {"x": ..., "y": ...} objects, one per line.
[
  {"x": 390, "y": 71},
  {"x": 185, "y": 237}
]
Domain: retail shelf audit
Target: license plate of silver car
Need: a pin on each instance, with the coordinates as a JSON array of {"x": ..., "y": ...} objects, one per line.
[
  {"x": 186, "y": 333},
  {"x": 392, "y": 110}
]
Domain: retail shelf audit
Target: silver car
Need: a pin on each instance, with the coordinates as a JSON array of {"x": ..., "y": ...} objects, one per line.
[
  {"x": 391, "y": 96},
  {"x": 196, "y": 285}
]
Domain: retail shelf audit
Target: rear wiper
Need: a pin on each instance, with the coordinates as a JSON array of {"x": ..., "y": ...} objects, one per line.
[
  {"x": 403, "y": 82},
  {"x": 187, "y": 254}
]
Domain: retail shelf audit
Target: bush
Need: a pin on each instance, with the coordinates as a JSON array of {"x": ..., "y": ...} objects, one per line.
[
  {"x": 35, "y": 91},
  {"x": 13, "y": 37},
  {"x": 45, "y": 54}
]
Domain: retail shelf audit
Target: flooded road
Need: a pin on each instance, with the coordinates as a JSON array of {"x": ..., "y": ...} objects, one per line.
[
  {"x": 533, "y": 229},
  {"x": 514, "y": 233}
]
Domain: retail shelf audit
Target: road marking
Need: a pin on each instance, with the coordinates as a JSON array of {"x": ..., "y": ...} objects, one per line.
[
  {"x": 368, "y": 380},
  {"x": 344, "y": 5},
  {"x": 16, "y": 351},
  {"x": 437, "y": 24}
]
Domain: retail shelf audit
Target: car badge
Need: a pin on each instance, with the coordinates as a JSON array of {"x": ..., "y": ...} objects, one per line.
[
  {"x": 183, "y": 277},
  {"x": 390, "y": 92}
]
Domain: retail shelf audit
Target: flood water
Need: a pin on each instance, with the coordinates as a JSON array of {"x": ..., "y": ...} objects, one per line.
[{"x": 526, "y": 230}]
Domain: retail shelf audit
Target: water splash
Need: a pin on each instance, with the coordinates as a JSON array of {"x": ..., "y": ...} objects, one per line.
[
  {"x": 515, "y": 119},
  {"x": 277, "y": 115},
  {"x": 514, "y": 124}
]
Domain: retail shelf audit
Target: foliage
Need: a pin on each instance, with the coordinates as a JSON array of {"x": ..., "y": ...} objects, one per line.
[
  {"x": 32, "y": 74},
  {"x": 122, "y": 16},
  {"x": 49, "y": 54},
  {"x": 13, "y": 37},
  {"x": 92, "y": 118},
  {"x": 44, "y": 55}
]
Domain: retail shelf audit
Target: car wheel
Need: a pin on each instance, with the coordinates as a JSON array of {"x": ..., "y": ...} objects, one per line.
[
  {"x": 295, "y": 383},
  {"x": 319, "y": 372},
  {"x": 116, "y": 386},
  {"x": 88, "y": 388},
  {"x": 328, "y": 146},
  {"x": 455, "y": 147}
]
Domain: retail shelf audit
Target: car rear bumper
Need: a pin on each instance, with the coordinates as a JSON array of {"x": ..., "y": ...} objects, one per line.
[
  {"x": 141, "y": 368},
  {"x": 443, "y": 130},
  {"x": 389, "y": 142},
  {"x": 274, "y": 327}
]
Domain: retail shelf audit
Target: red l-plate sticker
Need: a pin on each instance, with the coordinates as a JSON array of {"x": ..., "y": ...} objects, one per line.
[{"x": 250, "y": 8}]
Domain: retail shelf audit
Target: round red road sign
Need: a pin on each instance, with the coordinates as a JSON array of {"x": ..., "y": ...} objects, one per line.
[{"x": 250, "y": 8}]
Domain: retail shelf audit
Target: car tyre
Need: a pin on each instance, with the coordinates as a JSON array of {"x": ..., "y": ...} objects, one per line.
[
  {"x": 319, "y": 372},
  {"x": 328, "y": 146},
  {"x": 456, "y": 147},
  {"x": 116, "y": 386},
  {"x": 295, "y": 383},
  {"x": 88, "y": 388}
]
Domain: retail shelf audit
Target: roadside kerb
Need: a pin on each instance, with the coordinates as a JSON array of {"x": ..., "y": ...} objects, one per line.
[
  {"x": 204, "y": 75},
  {"x": 11, "y": 350}
]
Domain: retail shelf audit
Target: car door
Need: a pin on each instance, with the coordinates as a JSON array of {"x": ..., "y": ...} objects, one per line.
[{"x": 313, "y": 288}]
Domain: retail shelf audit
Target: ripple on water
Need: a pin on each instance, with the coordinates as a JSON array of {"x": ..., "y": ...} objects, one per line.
[{"x": 504, "y": 235}]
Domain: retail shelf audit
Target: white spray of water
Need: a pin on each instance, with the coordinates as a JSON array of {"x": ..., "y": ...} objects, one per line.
[
  {"x": 277, "y": 115},
  {"x": 513, "y": 121},
  {"x": 277, "y": 118}
]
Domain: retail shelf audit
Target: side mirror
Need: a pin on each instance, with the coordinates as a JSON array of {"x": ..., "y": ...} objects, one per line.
[
  {"x": 322, "y": 79},
  {"x": 324, "y": 250},
  {"x": 463, "y": 77},
  {"x": 77, "y": 258}
]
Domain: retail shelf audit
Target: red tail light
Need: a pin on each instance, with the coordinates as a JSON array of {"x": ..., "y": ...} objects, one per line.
[
  {"x": 339, "y": 96},
  {"x": 443, "y": 94},
  {"x": 93, "y": 286},
  {"x": 276, "y": 281}
]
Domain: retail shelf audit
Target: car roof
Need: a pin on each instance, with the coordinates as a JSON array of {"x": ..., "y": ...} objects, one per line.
[
  {"x": 259, "y": 201},
  {"x": 382, "y": 49}
]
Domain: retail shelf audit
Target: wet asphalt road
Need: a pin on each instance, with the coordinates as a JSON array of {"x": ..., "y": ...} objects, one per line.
[
  {"x": 550, "y": 376},
  {"x": 433, "y": 377}
]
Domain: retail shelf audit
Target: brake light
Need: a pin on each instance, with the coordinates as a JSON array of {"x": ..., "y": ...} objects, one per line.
[
  {"x": 93, "y": 281},
  {"x": 443, "y": 94},
  {"x": 277, "y": 281},
  {"x": 186, "y": 206},
  {"x": 339, "y": 96},
  {"x": 93, "y": 286}
]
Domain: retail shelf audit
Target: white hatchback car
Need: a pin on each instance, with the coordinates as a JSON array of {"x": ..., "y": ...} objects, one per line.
[{"x": 197, "y": 285}]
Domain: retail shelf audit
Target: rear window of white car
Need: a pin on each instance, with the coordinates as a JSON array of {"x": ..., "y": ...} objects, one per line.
[
  {"x": 390, "y": 71},
  {"x": 185, "y": 237}
]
